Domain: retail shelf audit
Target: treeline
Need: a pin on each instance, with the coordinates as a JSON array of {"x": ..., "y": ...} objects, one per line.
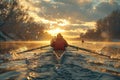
[
  {"x": 107, "y": 28},
  {"x": 16, "y": 22}
]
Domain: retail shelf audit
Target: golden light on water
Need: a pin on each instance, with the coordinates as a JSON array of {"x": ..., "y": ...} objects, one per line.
[{"x": 54, "y": 32}]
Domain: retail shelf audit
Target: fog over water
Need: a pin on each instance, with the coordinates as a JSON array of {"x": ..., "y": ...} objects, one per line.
[{"x": 76, "y": 64}]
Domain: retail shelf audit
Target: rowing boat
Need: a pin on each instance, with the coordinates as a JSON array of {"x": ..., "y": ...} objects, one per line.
[{"x": 59, "y": 54}]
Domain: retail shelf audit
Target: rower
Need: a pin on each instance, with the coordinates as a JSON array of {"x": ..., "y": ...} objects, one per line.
[{"x": 59, "y": 44}]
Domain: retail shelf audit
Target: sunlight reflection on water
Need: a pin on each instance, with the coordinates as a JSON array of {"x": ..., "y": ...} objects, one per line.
[{"x": 37, "y": 64}]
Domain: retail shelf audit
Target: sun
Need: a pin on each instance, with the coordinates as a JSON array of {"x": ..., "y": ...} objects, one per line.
[{"x": 54, "y": 32}]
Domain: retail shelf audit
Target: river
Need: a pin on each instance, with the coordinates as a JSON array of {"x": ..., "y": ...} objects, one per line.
[{"x": 76, "y": 64}]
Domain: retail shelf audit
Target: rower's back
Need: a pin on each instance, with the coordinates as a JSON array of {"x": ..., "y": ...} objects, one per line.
[{"x": 59, "y": 43}]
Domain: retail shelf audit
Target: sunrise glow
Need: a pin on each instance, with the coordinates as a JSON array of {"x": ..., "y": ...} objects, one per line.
[{"x": 54, "y": 32}]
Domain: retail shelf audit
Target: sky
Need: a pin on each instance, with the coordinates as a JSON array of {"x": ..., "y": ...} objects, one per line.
[{"x": 70, "y": 17}]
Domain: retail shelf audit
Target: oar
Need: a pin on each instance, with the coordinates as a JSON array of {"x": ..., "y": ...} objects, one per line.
[
  {"x": 34, "y": 49},
  {"x": 92, "y": 51},
  {"x": 88, "y": 50}
]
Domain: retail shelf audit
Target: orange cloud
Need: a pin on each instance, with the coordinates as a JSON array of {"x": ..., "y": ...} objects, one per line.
[{"x": 90, "y": 24}]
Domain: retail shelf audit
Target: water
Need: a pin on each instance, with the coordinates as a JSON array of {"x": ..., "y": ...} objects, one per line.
[{"x": 75, "y": 65}]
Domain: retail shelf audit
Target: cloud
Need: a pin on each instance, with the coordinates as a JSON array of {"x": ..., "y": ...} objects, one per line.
[
  {"x": 70, "y": 14},
  {"x": 74, "y": 2},
  {"x": 84, "y": 10},
  {"x": 73, "y": 10},
  {"x": 105, "y": 8}
]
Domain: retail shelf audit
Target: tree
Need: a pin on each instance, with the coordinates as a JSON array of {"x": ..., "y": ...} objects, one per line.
[
  {"x": 15, "y": 20},
  {"x": 107, "y": 28}
]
